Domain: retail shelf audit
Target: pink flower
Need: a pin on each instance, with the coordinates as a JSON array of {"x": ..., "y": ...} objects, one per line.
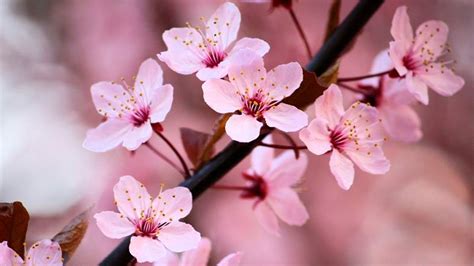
[
  {"x": 208, "y": 53},
  {"x": 355, "y": 135},
  {"x": 392, "y": 99},
  {"x": 269, "y": 182},
  {"x": 44, "y": 253},
  {"x": 256, "y": 96},
  {"x": 129, "y": 111},
  {"x": 153, "y": 223},
  {"x": 416, "y": 58},
  {"x": 198, "y": 257}
]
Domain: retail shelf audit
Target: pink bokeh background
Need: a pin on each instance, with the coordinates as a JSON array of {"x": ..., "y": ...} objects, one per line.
[{"x": 420, "y": 213}]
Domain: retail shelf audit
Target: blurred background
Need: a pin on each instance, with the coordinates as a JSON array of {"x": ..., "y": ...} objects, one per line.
[{"x": 420, "y": 213}]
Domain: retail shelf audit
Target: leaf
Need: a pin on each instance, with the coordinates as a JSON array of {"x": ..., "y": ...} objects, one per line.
[
  {"x": 330, "y": 76},
  {"x": 307, "y": 93},
  {"x": 333, "y": 19},
  {"x": 71, "y": 235},
  {"x": 13, "y": 225},
  {"x": 194, "y": 143}
]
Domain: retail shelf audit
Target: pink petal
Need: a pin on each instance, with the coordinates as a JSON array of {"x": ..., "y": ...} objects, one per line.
[
  {"x": 267, "y": 218},
  {"x": 262, "y": 157},
  {"x": 109, "y": 99},
  {"x": 223, "y": 25},
  {"x": 286, "y": 117},
  {"x": 198, "y": 256},
  {"x": 342, "y": 168},
  {"x": 397, "y": 52},
  {"x": 432, "y": 36},
  {"x": 243, "y": 128},
  {"x": 8, "y": 256},
  {"x": 217, "y": 72},
  {"x": 170, "y": 259},
  {"x": 221, "y": 96},
  {"x": 395, "y": 91},
  {"x": 149, "y": 79},
  {"x": 44, "y": 252},
  {"x": 286, "y": 170},
  {"x": 232, "y": 259},
  {"x": 417, "y": 87},
  {"x": 316, "y": 136},
  {"x": 288, "y": 206},
  {"x": 131, "y": 197},
  {"x": 175, "y": 203},
  {"x": 259, "y": 46},
  {"x": 247, "y": 72},
  {"x": 179, "y": 237},
  {"x": 401, "y": 122},
  {"x": 107, "y": 135},
  {"x": 370, "y": 160},
  {"x": 401, "y": 28},
  {"x": 161, "y": 100},
  {"x": 182, "y": 58},
  {"x": 114, "y": 225},
  {"x": 382, "y": 62},
  {"x": 283, "y": 80},
  {"x": 146, "y": 249},
  {"x": 136, "y": 136},
  {"x": 329, "y": 105},
  {"x": 442, "y": 80}
]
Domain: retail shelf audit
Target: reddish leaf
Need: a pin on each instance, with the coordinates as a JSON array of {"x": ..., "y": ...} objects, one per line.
[
  {"x": 194, "y": 143},
  {"x": 307, "y": 93},
  {"x": 13, "y": 225},
  {"x": 71, "y": 235}
]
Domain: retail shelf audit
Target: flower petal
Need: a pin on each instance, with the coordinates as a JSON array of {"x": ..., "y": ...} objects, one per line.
[
  {"x": 44, "y": 252},
  {"x": 131, "y": 197},
  {"x": 221, "y": 96},
  {"x": 259, "y": 46},
  {"x": 223, "y": 26},
  {"x": 283, "y": 80},
  {"x": 137, "y": 135},
  {"x": 198, "y": 256},
  {"x": 262, "y": 157},
  {"x": 382, "y": 62},
  {"x": 417, "y": 87},
  {"x": 169, "y": 259},
  {"x": 110, "y": 99},
  {"x": 401, "y": 122},
  {"x": 161, "y": 100},
  {"x": 217, "y": 72},
  {"x": 432, "y": 36},
  {"x": 232, "y": 259},
  {"x": 146, "y": 249},
  {"x": 173, "y": 204},
  {"x": 8, "y": 256},
  {"x": 288, "y": 206},
  {"x": 243, "y": 128},
  {"x": 442, "y": 80},
  {"x": 397, "y": 53},
  {"x": 329, "y": 105},
  {"x": 342, "y": 168},
  {"x": 107, "y": 135},
  {"x": 179, "y": 237},
  {"x": 316, "y": 136},
  {"x": 267, "y": 218},
  {"x": 286, "y": 117},
  {"x": 149, "y": 79},
  {"x": 247, "y": 72},
  {"x": 370, "y": 160},
  {"x": 286, "y": 170},
  {"x": 401, "y": 28},
  {"x": 114, "y": 225}
]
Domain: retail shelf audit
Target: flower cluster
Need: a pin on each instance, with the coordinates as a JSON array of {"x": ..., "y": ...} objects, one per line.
[{"x": 44, "y": 252}]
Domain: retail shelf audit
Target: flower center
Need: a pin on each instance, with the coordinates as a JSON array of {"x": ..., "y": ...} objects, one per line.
[
  {"x": 148, "y": 227},
  {"x": 214, "y": 58},
  {"x": 256, "y": 187},
  {"x": 140, "y": 116},
  {"x": 338, "y": 138},
  {"x": 410, "y": 62}
]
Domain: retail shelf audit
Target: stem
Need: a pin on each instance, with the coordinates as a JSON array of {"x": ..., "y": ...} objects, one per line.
[
  {"x": 291, "y": 141},
  {"x": 226, "y": 187},
  {"x": 283, "y": 147},
  {"x": 180, "y": 158},
  {"x": 301, "y": 32},
  {"x": 356, "y": 90},
  {"x": 364, "y": 77},
  {"x": 166, "y": 159}
]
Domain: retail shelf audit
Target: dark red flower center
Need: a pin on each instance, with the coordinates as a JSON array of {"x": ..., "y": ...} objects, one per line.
[
  {"x": 257, "y": 187},
  {"x": 214, "y": 58},
  {"x": 140, "y": 116}
]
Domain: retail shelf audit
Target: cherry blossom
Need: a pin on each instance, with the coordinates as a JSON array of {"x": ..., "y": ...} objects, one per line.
[
  {"x": 256, "y": 96},
  {"x": 197, "y": 257},
  {"x": 129, "y": 111},
  {"x": 44, "y": 253},
  {"x": 154, "y": 223},
  {"x": 392, "y": 99},
  {"x": 208, "y": 52},
  {"x": 355, "y": 134},
  {"x": 417, "y": 58}
]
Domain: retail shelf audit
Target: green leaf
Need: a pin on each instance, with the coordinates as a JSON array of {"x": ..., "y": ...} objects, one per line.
[
  {"x": 13, "y": 225},
  {"x": 72, "y": 234}
]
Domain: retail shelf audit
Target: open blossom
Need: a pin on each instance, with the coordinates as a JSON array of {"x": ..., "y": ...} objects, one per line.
[
  {"x": 129, "y": 111},
  {"x": 355, "y": 134},
  {"x": 207, "y": 51},
  {"x": 154, "y": 223},
  {"x": 198, "y": 257},
  {"x": 417, "y": 58},
  {"x": 44, "y": 253},
  {"x": 256, "y": 96},
  {"x": 393, "y": 101}
]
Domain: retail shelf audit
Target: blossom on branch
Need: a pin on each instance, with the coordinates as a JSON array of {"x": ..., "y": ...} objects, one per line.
[
  {"x": 256, "y": 96},
  {"x": 355, "y": 135},
  {"x": 153, "y": 223},
  {"x": 129, "y": 111},
  {"x": 44, "y": 253},
  {"x": 207, "y": 51},
  {"x": 416, "y": 58}
]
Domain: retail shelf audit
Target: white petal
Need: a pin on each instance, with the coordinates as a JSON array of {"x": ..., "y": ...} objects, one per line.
[
  {"x": 146, "y": 249},
  {"x": 342, "y": 168},
  {"x": 286, "y": 118},
  {"x": 243, "y": 128}
]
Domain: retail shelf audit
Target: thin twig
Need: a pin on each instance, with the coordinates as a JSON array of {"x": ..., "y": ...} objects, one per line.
[
  {"x": 356, "y": 90},
  {"x": 226, "y": 187},
  {"x": 166, "y": 159},
  {"x": 301, "y": 32},
  {"x": 180, "y": 158},
  {"x": 364, "y": 77},
  {"x": 282, "y": 147},
  {"x": 291, "y": 141}
]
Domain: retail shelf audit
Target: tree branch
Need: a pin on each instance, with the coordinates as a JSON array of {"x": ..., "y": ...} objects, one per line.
[{"x": 235, "y": 152}]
